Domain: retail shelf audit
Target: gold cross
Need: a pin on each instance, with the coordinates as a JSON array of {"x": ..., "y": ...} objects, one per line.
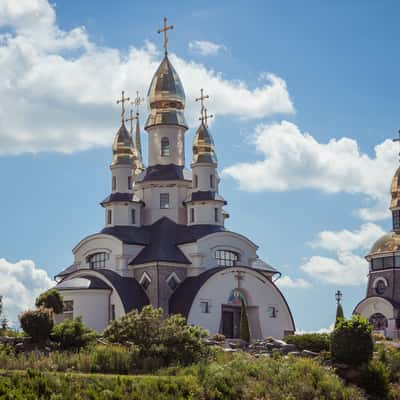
[
  {"x": 131, "y": 119},
  {"x": 122, "y": 101},
  {"x": 164, "y": 30},
  {"x": 137, "y": 102},
  {"x": 206, "y": 117},
  {"x": 201, "y": 99},
  {"x": 397, "y": 140}
]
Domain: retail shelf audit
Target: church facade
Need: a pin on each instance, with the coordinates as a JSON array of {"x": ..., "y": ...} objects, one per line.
[
  {"x": 164, "y": 241},
  {"x": 381, "y": 306}
]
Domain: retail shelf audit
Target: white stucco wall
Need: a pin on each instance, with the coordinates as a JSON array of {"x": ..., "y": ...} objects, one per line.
[
  {"x": 258, "y": 290},
  {"x": 176, "y": 136},
  {"x": 203, "y": 172}
]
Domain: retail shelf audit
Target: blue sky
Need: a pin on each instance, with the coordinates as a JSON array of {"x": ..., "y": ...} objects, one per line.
[{"x": 285, "y": 177}]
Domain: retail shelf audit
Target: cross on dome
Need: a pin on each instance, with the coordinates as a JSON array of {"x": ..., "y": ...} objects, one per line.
[
  {"x": 122, "y": 101},
  {"x": 137, "y": 102},
  {"x": 201, "y": 99},
  {"x": 206, "y": 117},
  {"x": 165, "y": 31},
  {"x": 131, "y": 119}
]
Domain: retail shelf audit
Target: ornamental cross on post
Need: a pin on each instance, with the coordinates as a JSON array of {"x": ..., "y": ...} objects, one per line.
[
  {"x": 165, "y": 31},
  {"x": 131, "y": 119},
  {"x": 206, "y": 117},
  {"x": 201, "y": 99},
  {"x": 122, "y": 101},
  {"x": 338, "y": 296},
  {"x": 397, "y": 140},
  {"x": 137, "y": 102}
]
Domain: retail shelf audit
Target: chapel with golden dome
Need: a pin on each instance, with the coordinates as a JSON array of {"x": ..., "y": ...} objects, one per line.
[{"x": 381, "y": 306}]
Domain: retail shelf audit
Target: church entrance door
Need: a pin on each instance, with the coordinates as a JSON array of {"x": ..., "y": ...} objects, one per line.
[{"x": 231, "y": 321}]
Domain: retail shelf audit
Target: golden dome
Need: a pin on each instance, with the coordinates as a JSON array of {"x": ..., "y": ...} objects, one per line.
[
  {"x": 122, "y": 147},
  {"x": 395, "y": 190},
  {"x": 203, "y": 146},
  {"x": 166, "y": 97},
  {"x": 386, "y": 244}
]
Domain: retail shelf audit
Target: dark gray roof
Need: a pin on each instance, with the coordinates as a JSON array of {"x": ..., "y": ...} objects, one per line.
[
  {"x": 67, "y": 271},
  {"x": 182, "y": 299},
  {"x": 129, "y": 290},
  {"x": 168, "y": 172},
  {"x": 206, "y": 195},
  {"x": 123, "y": 197},
  {"x": 82, "y": 282}
]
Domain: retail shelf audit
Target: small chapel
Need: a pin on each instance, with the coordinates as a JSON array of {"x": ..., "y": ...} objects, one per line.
[
  {"x": 381, "y": 305},
  {"x": 164, "y": 241}
]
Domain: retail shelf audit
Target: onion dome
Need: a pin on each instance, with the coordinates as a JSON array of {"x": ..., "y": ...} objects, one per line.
[
  {"x": 203, "y": 146},
  {"x": 166, "y": 97},
  {"x": 389, "y": 243},
  {"x": 395, "y": 190},
  {"x": 122, "y": 147}
]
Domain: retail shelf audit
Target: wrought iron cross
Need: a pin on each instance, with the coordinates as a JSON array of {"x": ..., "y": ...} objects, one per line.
[
  {"x": 165, "y": 31},
  {"x": 206, "y": 117},
  {"x": 122, "y": 101},
  {"x": 201, "y": 99},
  {"x": 338, "y": 296},
  {"x": 397, "y": 140},
  {"x": 137, "y": 102},
  {"x": 131, "y": 119},
  {"x": 239, "y": 277}
]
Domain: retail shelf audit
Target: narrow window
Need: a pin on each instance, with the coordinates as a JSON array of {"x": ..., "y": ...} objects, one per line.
[
  {"x": 212, "y": 181},
  {"x": 133, "y": 217},
  {"x": 114, "y": 183},
  {"x": 165, "y": 150},
  {"x": 164, "y": 200},
  {"x": 68, "y": 309},
  {"x": 272, "y": 311},
  {"x": 216, "y": 214},
  {"x": 192, "y": 215},
  {"x": 173, "y": 283},
  {"x": 109, "y": 217},
  {"x": 112, "y": 312},
  {"x": 129, "y": 182},
  {"x": 396, "y": 220},
  {"x": 145, "y": 281},
  {"x": 195, "y": 181},
  {"x": 204, "y": 307}
]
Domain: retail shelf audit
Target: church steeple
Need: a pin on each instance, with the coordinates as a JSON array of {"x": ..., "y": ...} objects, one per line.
[{"x": 395, "y": 192}]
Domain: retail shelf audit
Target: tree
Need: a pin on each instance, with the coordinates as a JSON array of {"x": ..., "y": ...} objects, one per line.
[
  {"x": 351, "y": 341},
  {"x": 37, "y": 324},
  {"x": 244, "y": 323},
  {"x": 339, "y": 314},
  {"x": 52, "y": 299},
  {"x": 72, "y": 334}
]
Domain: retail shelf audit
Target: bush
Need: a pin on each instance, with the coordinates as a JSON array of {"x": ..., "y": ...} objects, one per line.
[
  {"x": 160, "y": 340},
  {"x": 374, "y": 379},
  {"x": 51, "y": 299},
  {"x": 116, "y": 359},
  {"x": 316, "y": 342},
  {"x": 351, "y": 341},
  {"x": 72, "y": 334},
  {"x": 390, "y": 357},
  {"x": 37, "y": 324}
]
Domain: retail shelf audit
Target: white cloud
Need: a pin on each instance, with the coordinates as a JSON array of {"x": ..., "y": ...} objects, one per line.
[
  {"x": 206, "y": 48},
  {"x": 346, "y": 267},
  {"x": 322, "y": 330},
  {"x": 291, "y": 283},
  {"x": 58, "y": 88},
  {"x": 296, "y": 160},
  {"x": 20, "y": 284}
]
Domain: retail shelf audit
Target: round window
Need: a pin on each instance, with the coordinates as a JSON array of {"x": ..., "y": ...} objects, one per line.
[{"x": 380, "y": 287}]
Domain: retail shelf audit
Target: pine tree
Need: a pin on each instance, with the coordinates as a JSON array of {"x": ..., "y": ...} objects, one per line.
[
  {"x": 339, "y": 314},
  {"x": 244, "y": 323}
]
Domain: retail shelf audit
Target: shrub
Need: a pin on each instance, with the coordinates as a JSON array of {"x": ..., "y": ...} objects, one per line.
[
  {"x": 160, "y": 340},
  {"x": 52, "y": 299},
  {"x": 37, "y": 324},
  {"x": 115, "y": 359},
  {"x": 390, "y": 357},
  {"x": 316, "y": 342},
  {"x": 72, "y": 334},
  {"x": 374, "y": 379},
  {"x": 244, "y": 323},
  {"x": 351, "y": 341}
]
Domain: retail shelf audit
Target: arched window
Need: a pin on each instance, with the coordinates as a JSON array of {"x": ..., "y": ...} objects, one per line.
[
  {"x": 226, "y": 258},
  {"x": 380, "y": 286},
  {"x": 98, "y": 260},
  {"x": 212, "y": 181},
  {"x": 165, "y": 150},
  {"x": 195, "y": 181},
  {"x": 114, "y": 183},
  {"x": 378, "y": 321}
]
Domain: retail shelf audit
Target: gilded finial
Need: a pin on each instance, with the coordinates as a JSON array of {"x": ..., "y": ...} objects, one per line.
[
  {"x": 165, "y": 30},
  {"x": 122, "y": 101},
  {"x": 206, "y": 117},
  {"x": 397, "y": 140},
  {"x": 201, "y": 99},
  {"x": 131, "y": 119}
]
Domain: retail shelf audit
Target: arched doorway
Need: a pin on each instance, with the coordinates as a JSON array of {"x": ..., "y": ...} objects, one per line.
[
  {"x": 378, "y": 321},
  {"x": 230, "y": 320}
]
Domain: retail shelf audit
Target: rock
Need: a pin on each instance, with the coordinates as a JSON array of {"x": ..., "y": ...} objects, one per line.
[
  {"x": 278, "y": 343},
  {"x": 308, "y": 353},
  {"x": 230, "y": 350},
  {"x": 287, "y": 348},
  {"x": 294, "y": 353}
]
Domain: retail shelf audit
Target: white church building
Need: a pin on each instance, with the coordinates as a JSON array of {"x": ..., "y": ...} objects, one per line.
[{"x": 164, "y": 242}]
